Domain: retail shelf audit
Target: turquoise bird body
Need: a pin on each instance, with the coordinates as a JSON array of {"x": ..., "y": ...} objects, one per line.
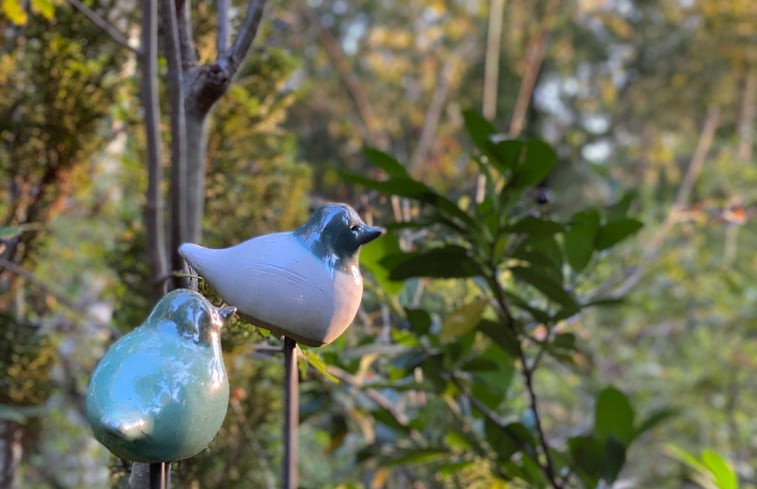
[
  {"x": 161, "y": 392},
  {"x": 305, "y": 284}
]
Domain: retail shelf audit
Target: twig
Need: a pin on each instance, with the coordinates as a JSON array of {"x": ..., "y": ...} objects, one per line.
[
  {"x": 104, "y": 25},
  {"x": 371, "y": 393}
]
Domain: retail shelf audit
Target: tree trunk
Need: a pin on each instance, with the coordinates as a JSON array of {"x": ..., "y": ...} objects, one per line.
[{"x": 10, "y": 451}]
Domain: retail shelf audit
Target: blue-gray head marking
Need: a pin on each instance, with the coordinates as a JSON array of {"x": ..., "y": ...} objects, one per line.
[
  {"x": 335, "y": 233},
  {"x": 192, "y": 314}
]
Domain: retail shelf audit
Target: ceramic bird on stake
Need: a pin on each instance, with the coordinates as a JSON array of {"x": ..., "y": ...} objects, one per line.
[
  {"x": 160, "y": 393},
  {"x": 304, "y": 284}
]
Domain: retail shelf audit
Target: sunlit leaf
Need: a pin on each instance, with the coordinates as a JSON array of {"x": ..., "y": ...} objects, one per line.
[
  {"x": 14, "y": 10},
  {"x": 371, "y": 256},
  {"x": 725, "y": 476},
  {"x": 317, "y": 363},
  {"x": 463, "y": 319},
  {"x": 46, "y": 8}
]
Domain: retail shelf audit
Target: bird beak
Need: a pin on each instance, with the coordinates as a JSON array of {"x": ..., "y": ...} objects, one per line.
[
  {"x": 369, "y": 233},
  {"x": 227, "y": 312}
]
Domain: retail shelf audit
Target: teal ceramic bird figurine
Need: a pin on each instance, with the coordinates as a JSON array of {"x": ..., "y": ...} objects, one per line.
[
  {"x": 160, "y": 393},
  {"x": 304, "y": 284}
]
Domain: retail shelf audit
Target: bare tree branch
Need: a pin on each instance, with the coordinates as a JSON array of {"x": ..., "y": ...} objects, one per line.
[
  {"x": 186, "y": 47},
  {"x": 435, "y": 107},
  {"x": 706, "y": 139},
  {"x": 104, "y": 25},
  {"x": 222, "y": 33},
  {"x": 154, "y": 218},
  {"x": 537, "y": 50},
  {"x": 179, "y": 198},
  {"x": 491, "y": 65},
  {"x": 373, "y": 132},
  {"x": 244, "y": 37},
  {"x": 748, "y": 116}
]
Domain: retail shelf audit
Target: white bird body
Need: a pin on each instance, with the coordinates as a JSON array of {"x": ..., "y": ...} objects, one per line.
[{"x": 279, "y": 282}]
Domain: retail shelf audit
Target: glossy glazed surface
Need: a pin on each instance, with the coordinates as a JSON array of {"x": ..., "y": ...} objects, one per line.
[
  {"x": 160, "y": 393},
  {"x": 305, "y": 284}
]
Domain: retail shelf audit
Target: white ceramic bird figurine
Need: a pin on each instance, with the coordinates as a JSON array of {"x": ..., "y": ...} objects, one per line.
[{"x": 304, "y": 284}]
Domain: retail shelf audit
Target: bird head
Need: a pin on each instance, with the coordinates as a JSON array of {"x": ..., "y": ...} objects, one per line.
[
  {"x": 335, "y": 234},
  {"x": 193, "y": 316}
]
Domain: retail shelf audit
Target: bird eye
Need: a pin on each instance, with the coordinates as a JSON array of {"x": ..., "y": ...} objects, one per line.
[{"x": 355, "y": 228}]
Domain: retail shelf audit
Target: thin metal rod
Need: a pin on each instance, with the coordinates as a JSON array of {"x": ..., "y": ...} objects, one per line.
[
  {"x": 292, "y": 413},
  {"x": 159, "y": 475}
]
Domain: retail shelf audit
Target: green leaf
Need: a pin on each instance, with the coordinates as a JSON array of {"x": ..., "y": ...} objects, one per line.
[
  {"x": 654, "y": 419},
  {"x": 9, "y": 232},
  {"x": 614, "y": 232},
  {"x": 416, "y": 456},
  {"x": 317, "y": 363},
  {"x": 620, "y": 209},
  {"x": 614, "y": 459},
  {"x": 479, "y": 129},
  {"x": 507, "y": 154},
  {"x": 386, "y": 162},
  {"x": 613, "y": 416},
  {"x": 44, "y": 7},
  {"x": 501, "y": 336},
  {"x": 534, "y": 226},
  {"x": 453, "y": 468},
  {"x": 490, "y": 387},
  {"x": 449, "y": 261},
  {"x": 579, "y": 240},
  {"x": 503, "y": 442},
  {"x": 371, "y": 256},
  {"x": 14, "y": 10},
  {"x": 539, "y": 160},
  {"x": 725, "y": 477},
  {"x": 588, "y": 458},
  {"x": 545, "y": 284},
  {"x": 419, "y": 319},
  {"x": 463, "y": 319}
]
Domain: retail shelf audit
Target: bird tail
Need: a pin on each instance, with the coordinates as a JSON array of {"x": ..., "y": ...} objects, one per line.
[
  {"x": 129, "y": 428},
  {"x": 195, "y": 255}
]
